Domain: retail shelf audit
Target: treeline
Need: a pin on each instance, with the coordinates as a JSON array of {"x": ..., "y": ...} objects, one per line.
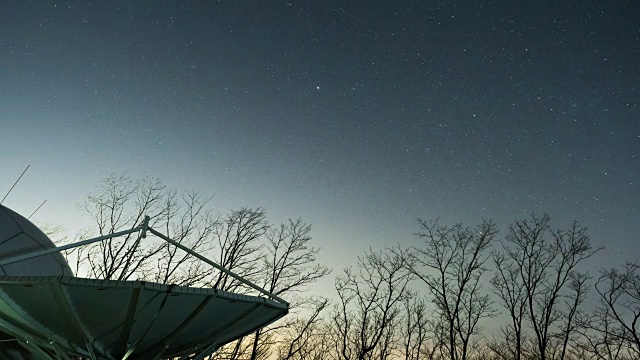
[{"x": 426, "y": 301}]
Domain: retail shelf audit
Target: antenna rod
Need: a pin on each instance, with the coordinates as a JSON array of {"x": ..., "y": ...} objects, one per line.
[
  {"x": 14, "y": 184},
  {"x": 36, "y": 210}
]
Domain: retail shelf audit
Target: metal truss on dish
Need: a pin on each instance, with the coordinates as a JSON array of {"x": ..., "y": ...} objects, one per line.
[{"x": 47, "y": 313}]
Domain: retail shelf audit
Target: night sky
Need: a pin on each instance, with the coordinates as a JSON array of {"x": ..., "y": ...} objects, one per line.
[{"x": 358, "y": 118}]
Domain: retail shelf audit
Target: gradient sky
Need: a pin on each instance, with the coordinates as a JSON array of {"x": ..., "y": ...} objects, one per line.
[{"x": 358, "y": 118}]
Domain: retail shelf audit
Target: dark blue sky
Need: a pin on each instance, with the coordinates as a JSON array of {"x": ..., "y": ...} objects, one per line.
[{"x": 357, "y": 117}]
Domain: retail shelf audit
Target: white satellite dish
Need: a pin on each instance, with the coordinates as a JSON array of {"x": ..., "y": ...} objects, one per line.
[{"x": 47, "y": 313}]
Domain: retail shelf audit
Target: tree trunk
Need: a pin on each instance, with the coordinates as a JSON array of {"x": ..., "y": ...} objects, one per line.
[{"x": 254, "y": 350}]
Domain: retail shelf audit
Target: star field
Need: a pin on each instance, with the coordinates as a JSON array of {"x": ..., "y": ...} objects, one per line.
[{"x": 357, "y": 117}]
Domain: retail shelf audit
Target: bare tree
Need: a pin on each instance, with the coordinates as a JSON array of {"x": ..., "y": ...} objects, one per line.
[
  {"x": 414, "y": 329},
  {"x": 569, "y": 328},
  {"x": 236, "y": 350},
  {"x": 307, "y": 338},
  {"x": 539, "y": 264},
  {"x": 241, "y": 241},
  {"x": 421, "y": 334},
  {"x": 369, "y": 305},
  {"x": 615, "y": 323},
  {"x": 536, "y": 279},
  {"x": 601, "y": 334},
  {"x": 503, "y": 345},
  {"x": 236, "y": 238},
  {"x": 289, "y": 265},
  {"x": 189, "y": 223},
  {"x": 451, "y": 264},
  {"x": 120, "y": 204},
  {"x": 505, "y": 284}
]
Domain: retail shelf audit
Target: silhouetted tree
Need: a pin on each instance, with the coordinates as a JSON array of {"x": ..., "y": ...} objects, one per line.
[
  {"x": 414, "y": 326},
  {"x": 237, "y": 237},
  {"x": 614, "y": 326},
  {"x": 307, "y": 338},
  {"x": 375, "y": 316},
  {"x": 369, "y": 306},
  {"x": 537, "y": 265},
  {"x": 506, "y": 285},
  {"x": 421, "y": 335},
  {"x": 242, "y": 241},
  {"x": 601, "y": 335},
  {"x": 450, "y": 264},
  {"x": 189, "y": 223},
  {"x": 289, "y": 265},
  {"x": 121, "y": 204}
]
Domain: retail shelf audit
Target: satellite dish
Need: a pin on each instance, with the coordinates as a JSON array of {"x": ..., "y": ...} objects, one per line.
[
  {"x": 19, "y": 236},
  {"x": 47, "y": 313}
]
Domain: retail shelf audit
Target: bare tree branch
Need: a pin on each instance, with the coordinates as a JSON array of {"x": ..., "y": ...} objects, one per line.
[{"x": 451, "y": 264}]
